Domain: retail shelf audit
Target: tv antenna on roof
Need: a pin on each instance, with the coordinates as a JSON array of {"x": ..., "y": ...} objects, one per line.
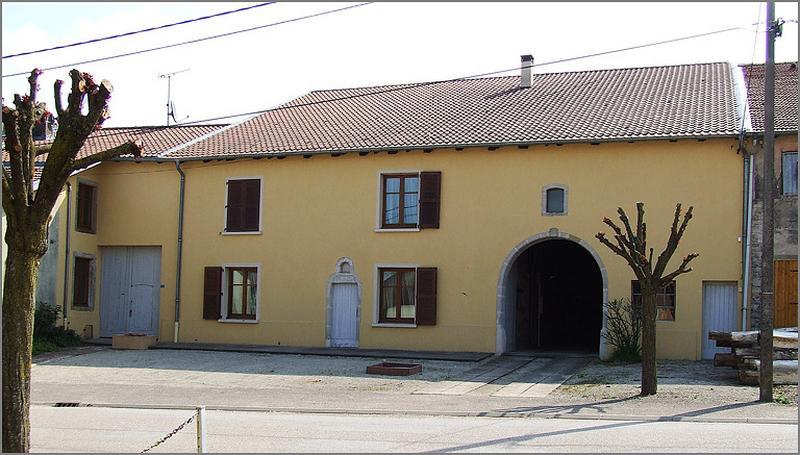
[{"x": 170, "y": 105}]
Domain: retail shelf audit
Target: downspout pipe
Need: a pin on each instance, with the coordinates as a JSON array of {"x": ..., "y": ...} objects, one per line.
[
  {"x": 180, "y": 251},
  {"x": 746, "y": 291},
  {"x": 65, "y": 320}
]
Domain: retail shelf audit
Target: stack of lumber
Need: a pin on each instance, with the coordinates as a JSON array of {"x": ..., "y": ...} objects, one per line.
[{"x": 745, "y": 353}]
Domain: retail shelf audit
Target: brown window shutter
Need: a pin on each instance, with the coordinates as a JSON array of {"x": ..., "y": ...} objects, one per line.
[
  {"x": 93, "y": 205},
  {"x": 429, "y": 197},
  {"x": 426, "y": 296},
  {"x": 86, "y": 208},
  {"x": 80, "y": 289},
  {"x": 252, "y": 204},
  {"x": 234, "y": 218},
  {"x": 212, "y": 293}
]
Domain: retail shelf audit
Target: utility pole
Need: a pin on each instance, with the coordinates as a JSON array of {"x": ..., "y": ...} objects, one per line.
[
  {"x": 170, "y": 112},
  {"x": 768, "y": 188}
]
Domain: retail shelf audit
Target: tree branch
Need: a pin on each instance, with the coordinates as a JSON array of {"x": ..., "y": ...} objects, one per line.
[
  {"x": 686, "y": 218},
  {"x": 622, "y": 253},
  {"x": 132, "y": 147},
  {"x": 681, "y": 270},
  {"x": 33, "y": 113},
  {"x": 627, "y": 223},
  {"x": 43, "y": 149},
  {"x": 76, "y": 95},
  {"x": 14, "y": 148},
  {"x": 672, "y": 244},
  {"x": 24, "y": 125},
  {"x": 98, "y": 104},
  {"x": 641, "y": 244},
  {"x": 59, "y": 103},
  {"x": 8, "y": 195},
  {"x": 623, "y": 241},
  {"x": 34, "y": 85}
]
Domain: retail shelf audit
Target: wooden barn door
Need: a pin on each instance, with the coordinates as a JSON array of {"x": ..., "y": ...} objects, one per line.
[{"x": 786, "y": 293}]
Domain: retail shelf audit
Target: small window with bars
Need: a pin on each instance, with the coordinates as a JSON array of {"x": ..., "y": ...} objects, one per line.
[{"x": 665, "y": 300}]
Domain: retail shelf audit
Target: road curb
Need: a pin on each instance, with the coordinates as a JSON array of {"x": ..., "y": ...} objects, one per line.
[{"x": 456, "y": 413}]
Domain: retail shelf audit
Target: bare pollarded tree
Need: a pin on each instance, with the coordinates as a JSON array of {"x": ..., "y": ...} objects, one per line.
[
  {"x": 28, "y": 208},
  {"x": 631, "y": 245}
]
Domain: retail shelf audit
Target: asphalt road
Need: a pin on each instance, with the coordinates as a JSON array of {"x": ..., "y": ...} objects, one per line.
[{"x": 96, "y": 429}]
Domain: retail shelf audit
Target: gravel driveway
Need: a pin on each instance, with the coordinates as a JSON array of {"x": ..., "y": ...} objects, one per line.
[
  {"x": 678, "y": 380},
  {"x": 226, "y": 369}
]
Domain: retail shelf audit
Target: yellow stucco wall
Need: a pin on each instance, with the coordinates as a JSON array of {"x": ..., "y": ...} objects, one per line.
[{"x": 317, "y": 210}]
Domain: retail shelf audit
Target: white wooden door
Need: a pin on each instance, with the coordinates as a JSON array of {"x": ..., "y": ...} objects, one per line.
[
  {"x": 114, "y": 291},
  {"x": 344, "y": 315},
  {"x": 719, "y": 313},
  {"x": 129, "y": 290},
  {"x": 145, "y": 264}
]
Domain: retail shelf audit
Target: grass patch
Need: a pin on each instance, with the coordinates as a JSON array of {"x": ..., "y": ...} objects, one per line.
[
  {"x": 42, "y": 346},
  {"x": 627, "y": 353},
  {"x": 782, "y": 399},
  {"x": 785, "y": 394}
]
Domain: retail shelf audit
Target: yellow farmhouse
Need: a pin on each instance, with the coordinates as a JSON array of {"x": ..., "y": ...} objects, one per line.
[{"x": 451, "y": 216}]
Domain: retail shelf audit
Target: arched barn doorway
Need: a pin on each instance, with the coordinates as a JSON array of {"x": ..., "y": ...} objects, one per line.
[{"x": 550, "y": 296}]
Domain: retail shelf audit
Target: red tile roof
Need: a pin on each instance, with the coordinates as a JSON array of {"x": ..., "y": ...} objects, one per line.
[
  {"x": 785, "y": 95},
  {"x": 694, "y": 100},
  {"x": 156, "y": 139}
]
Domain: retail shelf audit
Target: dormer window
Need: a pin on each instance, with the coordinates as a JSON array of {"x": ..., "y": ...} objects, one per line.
[{"x": 554, "y": 200}]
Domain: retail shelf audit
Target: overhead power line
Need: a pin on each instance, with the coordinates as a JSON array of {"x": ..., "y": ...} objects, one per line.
[
  {"x": 422, "y": 84},
  {"x": 121, "y": 35},
  {"x": 222, "y": 35}
]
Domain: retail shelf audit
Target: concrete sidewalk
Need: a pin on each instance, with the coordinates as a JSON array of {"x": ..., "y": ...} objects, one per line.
[{"x": 634, "y": 408}]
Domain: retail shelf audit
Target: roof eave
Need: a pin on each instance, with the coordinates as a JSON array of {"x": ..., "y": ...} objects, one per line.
[{"x": 262, "y": 154}]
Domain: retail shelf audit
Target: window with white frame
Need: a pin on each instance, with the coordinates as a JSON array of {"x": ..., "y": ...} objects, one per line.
[
  {"x": 231, "y": 293},
  {"x": 242, "y": 295},
  {"x": 789, "y": 172}
]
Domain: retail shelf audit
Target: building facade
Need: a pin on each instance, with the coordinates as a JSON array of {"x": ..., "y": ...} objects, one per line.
[
  {"x": 785, "y": 191},
  {"x": 458, "y": 216}
]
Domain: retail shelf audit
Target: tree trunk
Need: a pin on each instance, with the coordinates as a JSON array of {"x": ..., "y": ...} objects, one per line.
[
  {"x": 18, "y": 305},
  {"x": 649, "y": 378}
]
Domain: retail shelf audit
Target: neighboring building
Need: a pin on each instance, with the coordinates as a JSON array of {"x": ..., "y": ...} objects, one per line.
[
  {"x": 77, "y": 247},
  {"x": 446, "y": 216},
  {"x": 785, "y": 214}
]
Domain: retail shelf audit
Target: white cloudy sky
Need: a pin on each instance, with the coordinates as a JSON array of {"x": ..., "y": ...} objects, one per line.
[{"x": 382, "y": 43}]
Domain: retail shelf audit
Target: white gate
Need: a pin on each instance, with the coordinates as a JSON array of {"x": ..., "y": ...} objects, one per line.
[
  {"x": 129, "y": 290},
  {"x": 719, "y": 313},
  {"x": 344, "y": 301}
]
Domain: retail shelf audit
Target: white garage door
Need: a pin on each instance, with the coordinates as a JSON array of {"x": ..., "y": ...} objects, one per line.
[{"x": 129, "y": 290}]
